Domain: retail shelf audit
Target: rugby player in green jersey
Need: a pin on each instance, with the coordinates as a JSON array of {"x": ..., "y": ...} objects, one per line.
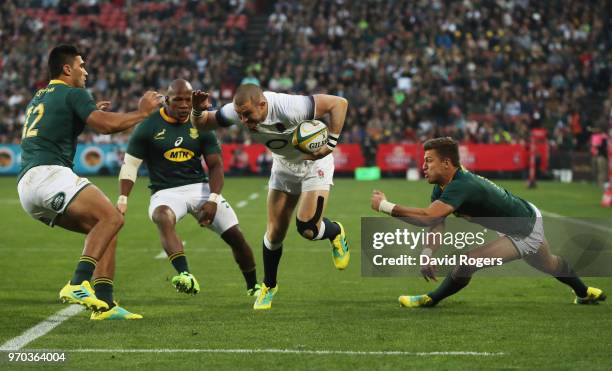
[
  {"x": 172, "y": 149},
  {"x": 51, "y": 192},
  {"x": 478, "y": 199}
]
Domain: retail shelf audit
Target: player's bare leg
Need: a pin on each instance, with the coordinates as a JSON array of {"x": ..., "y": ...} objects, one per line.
[
  {"x": 90, "y": 212},
  {"x": 461, "y": 275},
  {"x": 280, "y": 208},
  {"x": 312, "y": 225},
  {"x": 165, "y": 220},
  {"x": 557, "y": 267},
  {"x": 104, "y": 274},
  {"x": 243, "y": 255}
]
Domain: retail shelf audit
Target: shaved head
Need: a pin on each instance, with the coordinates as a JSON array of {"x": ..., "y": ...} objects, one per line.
[
  {"x": 248, "y": 93},
  {"x": 178, "y": 100},
  {"x": 179, "y": 86}
]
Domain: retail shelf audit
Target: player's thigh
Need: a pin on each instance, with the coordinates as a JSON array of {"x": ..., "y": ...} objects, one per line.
[
  {"x": 86, "y": 209},
  {"x": 280, "y": 208},
  {"x": 319, "y": 176},
  {"x": 502, "y": 248},
  {"x": 312, "y": 205},
  {"x": 45, "y": 191},
  {"x": 168, "y": 205}
]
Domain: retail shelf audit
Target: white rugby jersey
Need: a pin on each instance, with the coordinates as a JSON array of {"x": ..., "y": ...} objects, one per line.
[{"x": 285, "y": 113}]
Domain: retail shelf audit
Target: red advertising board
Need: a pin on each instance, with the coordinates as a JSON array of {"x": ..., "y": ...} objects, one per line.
[
  {"x": 399, "y": 157},
  {"x": 347, "y": 157},
  {"x": 477, "y": 157}
]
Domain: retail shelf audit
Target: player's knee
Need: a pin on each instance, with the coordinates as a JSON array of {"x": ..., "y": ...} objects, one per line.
[
  {"x": 115, "y": 219},
  {"x": 307, "y": 229},
  {"x": 163, "y": 215}
]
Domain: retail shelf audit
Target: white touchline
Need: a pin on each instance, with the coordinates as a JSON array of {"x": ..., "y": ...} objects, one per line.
[
  {"x": 602, "y": 228},
  {"x": 41, "y": 329},
  {"x": 284, "y": 351}
]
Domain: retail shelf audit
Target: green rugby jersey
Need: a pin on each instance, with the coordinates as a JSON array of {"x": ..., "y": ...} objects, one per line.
[
  {"x": 54, "y": 119},
  {"x": 484, "y": 202},
  {"x": 172, "y": 150}
]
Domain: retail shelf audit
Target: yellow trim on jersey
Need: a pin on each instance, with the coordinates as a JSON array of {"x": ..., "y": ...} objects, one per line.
[
  {"x": 58, "y": 82},
  {"x": 167, "y": 118}
]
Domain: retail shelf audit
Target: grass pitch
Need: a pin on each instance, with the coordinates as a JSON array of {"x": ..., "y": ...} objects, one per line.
[{"x": 521, "y": 322}]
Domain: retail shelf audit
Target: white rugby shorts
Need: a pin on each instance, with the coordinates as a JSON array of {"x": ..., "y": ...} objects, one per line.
[
  {"x": 302, "y": 176},
  {"x": 531, "y": 244},
  {"x": 45, "y": 191},
  {"x": 189, "y": 199}
]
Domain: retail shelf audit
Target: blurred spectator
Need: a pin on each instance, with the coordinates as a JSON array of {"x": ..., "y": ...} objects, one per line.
[
  {"x": 264, "y": 163},
  {"x": 239, "y": 163}
]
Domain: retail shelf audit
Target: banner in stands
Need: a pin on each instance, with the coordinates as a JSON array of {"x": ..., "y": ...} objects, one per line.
[
  {"x": 241, "y": 159},
  {"x": 10, "y": 158},
  {"x": 90, "y": 159},
  {"x": 476, "y": 157}
]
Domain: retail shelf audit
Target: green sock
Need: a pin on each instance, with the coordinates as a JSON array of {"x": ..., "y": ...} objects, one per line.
[
  {"x": 569, "y": 277},
  {"x": 179, "y": 261},
  {"x": 448, "y": 287},
  {"x": 84, "y": 270},
  {"x": 103, "y": 287}
]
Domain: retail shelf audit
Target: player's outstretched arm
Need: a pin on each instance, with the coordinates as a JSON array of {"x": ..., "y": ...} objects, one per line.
[
  {"x": 215, "y": 173},
  {"x": 201, "y": 118},
  {"x": 127, "y": 178},
  {"x": 429, "y": 216},
  {"x": 113, "y": 122}
]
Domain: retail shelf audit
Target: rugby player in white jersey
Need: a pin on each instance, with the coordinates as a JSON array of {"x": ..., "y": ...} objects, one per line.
[{"x": 271, "y": 118}]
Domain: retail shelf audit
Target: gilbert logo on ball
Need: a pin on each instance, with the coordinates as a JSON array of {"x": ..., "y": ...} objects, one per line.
[{"x": 310, "y": 136}]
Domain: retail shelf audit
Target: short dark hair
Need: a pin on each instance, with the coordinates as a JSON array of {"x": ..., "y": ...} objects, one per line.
[
  {"x": 248, "y": 93},
  {"x": 59, "y": 56},
  {"x": 446, "y": 147}
]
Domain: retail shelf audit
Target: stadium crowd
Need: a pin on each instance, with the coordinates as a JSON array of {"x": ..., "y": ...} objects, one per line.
[{"x": 482, "y": 71}]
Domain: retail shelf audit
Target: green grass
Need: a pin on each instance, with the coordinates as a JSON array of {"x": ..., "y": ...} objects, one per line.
[{"x": 530, "y": 320}]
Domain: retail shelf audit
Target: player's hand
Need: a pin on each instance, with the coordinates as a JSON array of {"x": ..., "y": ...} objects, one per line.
[
  {"x": 207, "y": 214},
  {"x": 320, "y": 153},
  {"x": 122, "y": 207},
  {"x": 103, "y": 105},
  {"x": 200, "y": 100},
  {"x": 377, "y": 198},
  {"x": 150, "y": 101},
  {"x": 429, "y": 272}
]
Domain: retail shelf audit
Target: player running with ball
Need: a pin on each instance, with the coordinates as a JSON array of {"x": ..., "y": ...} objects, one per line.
[
  {"x": 271, "y": 119},
  {"x": 478, "y": 199}
]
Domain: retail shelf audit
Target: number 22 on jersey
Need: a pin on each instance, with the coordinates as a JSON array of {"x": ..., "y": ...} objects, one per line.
[{"x": 29, "y": 127}]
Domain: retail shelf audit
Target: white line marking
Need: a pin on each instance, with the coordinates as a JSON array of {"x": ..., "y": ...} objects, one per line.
[
  {"x": 578, "y": 221},
  {"x": 253, "y": 196},
  {"x": 241, "y": 204},
  {"x": 161, "y": 255},
  {"x": 287, "y": 351},
  {"x": 41, "y": 329}
]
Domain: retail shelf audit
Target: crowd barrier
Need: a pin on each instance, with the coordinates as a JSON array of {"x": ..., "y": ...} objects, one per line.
[{"x": 240, "y": 159}]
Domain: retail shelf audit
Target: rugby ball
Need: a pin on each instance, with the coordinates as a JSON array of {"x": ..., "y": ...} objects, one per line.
[{"x": 310, "y": 136}]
